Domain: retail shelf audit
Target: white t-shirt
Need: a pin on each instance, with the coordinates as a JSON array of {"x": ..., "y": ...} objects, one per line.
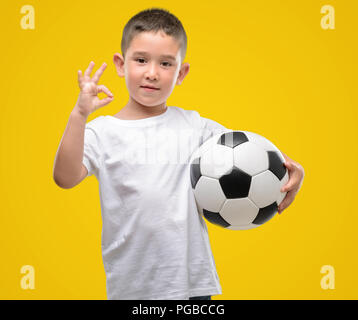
[{"x": 155, "y": 244}]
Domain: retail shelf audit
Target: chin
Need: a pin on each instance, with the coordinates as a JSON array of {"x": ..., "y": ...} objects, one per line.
[{"x": 145, "y": 103}]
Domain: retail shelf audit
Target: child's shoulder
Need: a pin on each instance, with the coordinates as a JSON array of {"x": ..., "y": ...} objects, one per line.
[
  {"x": 202, "y": 122},
  {"x": 186, "y": 113},
  {"x": 96, "y": 121}
]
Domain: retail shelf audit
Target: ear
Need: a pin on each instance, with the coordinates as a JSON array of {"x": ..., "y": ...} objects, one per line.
[
  {"x": 118, "y": 61},
  {"x": 184, "y": 69}
]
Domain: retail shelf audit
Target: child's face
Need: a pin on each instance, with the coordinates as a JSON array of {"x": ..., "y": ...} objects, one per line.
[{"x": 152, "y": 59}]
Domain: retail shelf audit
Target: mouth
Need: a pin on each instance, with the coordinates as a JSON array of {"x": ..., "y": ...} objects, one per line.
[{"x": 149, "y": 88}]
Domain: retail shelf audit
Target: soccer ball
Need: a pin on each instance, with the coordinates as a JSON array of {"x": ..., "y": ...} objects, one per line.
[{"x": 236, "y": 178}]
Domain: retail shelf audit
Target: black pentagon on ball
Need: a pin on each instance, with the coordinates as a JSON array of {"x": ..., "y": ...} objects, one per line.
[
  {"x": 195, "y": 173},
  {"x": 276, "y": 165},
  {"x": 215, "y": 218},
  {"x": 265, "y": 214},
  {"x": 232, "y": 139},
  {"x": 236, "y": 184}
]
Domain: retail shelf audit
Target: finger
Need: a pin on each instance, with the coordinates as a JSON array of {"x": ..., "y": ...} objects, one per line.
[
  {"x": 80, "y": 77},
  {"x": 292, "y": 184},
  {"x": 294, "y": 178},
  {"x": 89, "y": 69},
  {"x": 104, "y": 101},
  {"x": 99, "y": 72},
  {"x": 289, "y": 186},
  {"x": 286, "y": 202},
  {"x": 105, "y": 90},
  {"x": 288, "y": 165}
]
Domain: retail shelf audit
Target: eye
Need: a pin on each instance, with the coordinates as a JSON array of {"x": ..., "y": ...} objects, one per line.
[
  {"x": 139, "y": 60},
  {"x": 168, "y": 64}
]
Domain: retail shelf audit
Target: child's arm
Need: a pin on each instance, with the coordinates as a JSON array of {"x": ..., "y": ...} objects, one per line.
[{"x": 68, "y": 168}]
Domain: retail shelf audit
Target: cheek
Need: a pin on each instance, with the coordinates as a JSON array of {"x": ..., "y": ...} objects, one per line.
[
  {"x": 132, "y": 76},
  {"x": 174, "y": 80},
  {"x": 170, "y": 78}
]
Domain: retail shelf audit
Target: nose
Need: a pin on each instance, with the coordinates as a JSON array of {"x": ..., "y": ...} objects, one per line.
[{"x": 151, "y": 72}]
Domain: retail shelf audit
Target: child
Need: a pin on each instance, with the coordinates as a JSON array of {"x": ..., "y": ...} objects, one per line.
[{"x": 154, "y": 243}]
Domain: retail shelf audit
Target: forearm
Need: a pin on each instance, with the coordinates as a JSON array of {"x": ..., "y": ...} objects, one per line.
[{"x": 69, "y": 156}]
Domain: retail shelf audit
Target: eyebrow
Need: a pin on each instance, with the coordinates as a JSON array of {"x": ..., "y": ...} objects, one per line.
[{"x": 167, "y": 56}]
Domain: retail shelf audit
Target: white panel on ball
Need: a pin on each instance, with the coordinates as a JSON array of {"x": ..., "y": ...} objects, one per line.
[
  {"x": 233, "y": 207},
  {"x": 217, "y": 161},
  {"x": 209, "y": 194},
  {"x": 262, "y": 142},
  {"x": 265, "y": 189},
  {"x": 200, "y": 209},
  {"x": 250, "y": 158},
  {"x": 245, "y": 227}
]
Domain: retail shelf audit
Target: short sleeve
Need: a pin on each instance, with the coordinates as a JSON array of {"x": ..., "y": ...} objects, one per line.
[
  {"x": 91, "y": 151},
  {"x": 211, "y": 128}
]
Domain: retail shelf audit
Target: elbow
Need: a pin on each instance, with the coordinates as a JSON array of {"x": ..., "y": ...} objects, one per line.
[{"x": 62, "y": 184}]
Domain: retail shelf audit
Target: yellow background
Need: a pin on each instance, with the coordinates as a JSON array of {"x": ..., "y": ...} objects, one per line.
[{"x": 261, "y": 66}]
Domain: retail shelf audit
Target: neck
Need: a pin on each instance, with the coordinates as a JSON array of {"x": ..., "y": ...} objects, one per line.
[{"x": 133, "y": 110}]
